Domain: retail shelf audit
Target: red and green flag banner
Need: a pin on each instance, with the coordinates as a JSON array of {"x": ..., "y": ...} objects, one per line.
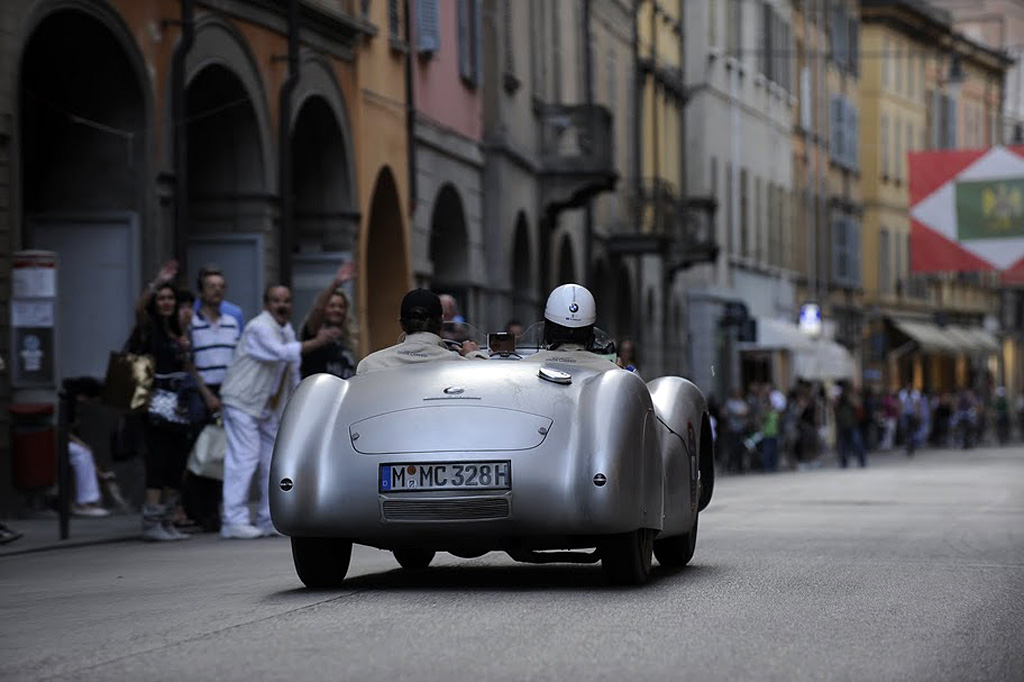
[{"x": 967, "y": 211}]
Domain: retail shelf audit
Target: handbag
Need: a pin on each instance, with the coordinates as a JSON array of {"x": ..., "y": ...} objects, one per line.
[
  {"x": 129, "y": 380},
  {"x": 207, "y": 456},
  {"x": 164, "y": 406}
]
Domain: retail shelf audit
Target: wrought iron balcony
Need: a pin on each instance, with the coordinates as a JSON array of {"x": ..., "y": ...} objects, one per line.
[
  {"x": 577, "y": 160},
  {"x": 682, "y": 230}
]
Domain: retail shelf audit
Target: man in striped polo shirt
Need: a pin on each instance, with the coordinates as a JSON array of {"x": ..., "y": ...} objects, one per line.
[{"x": 214, "y": 333}]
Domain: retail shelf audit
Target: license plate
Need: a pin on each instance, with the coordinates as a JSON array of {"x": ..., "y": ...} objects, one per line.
[{"x": 445, "y": 476}]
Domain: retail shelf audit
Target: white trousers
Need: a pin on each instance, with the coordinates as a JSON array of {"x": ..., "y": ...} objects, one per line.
[
  {"x": 87, "y": 488},
  {"x": 250, "y": 446}
]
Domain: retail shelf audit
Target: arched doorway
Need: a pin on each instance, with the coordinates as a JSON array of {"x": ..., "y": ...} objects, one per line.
[
  {"x": 386, "y": 275},
  {"x": 524, "y": 302},
  {"x": 324, "y": 218},
  {"x": 624, "y": 303},
  {"x": 84, "y": 132},
  {"x": 566, "y": 262},
  {"x": 603, "y": 290},
  {"x": 227, "y": 193},
  {"x": 449, "y": 248}
]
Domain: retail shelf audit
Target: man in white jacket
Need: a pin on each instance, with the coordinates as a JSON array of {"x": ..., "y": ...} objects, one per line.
[{"x": 262, "y": 374}]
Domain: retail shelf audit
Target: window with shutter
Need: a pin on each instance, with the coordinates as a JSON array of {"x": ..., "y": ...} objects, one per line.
[
  {"x": 835, "y": 128},
  {"x": 744, "y": 212},
  {"x": 884, "y": 276},
  {"x": 950, "y": 132},
  {"x": 854, "y": 138},
  {"x": 897, "y": 146},
  {"x": 730, "y": 215},
  {"x": 428, "y": 27},
  {"x": 478, "y": 32},
  {"x": 394, "y": 20},
  {"x": 853, "y": 30},
  {"x": 883, "y": 150},
  {"x": 838, "y": 250},
  {"x": 805, "y": 98},
  {"x": 464, "y": 17},
  {"x": 764, "y": 42},
  {"x": 712, "y": 23}
]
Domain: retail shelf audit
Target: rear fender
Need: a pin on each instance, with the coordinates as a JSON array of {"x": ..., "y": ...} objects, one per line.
[
  {"x": 618, "y": 439},
  {"x": 305, "y": 439}
]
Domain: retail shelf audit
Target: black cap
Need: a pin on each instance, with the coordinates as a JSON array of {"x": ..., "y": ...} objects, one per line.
[{"x": 421, "y": 304}]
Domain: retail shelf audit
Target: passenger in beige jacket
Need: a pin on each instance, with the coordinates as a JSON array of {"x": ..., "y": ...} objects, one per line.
[{"x": 421, "y": 320}]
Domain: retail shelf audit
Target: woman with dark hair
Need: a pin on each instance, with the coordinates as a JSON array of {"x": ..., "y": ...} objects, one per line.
[{"x": 158, "y": 333}]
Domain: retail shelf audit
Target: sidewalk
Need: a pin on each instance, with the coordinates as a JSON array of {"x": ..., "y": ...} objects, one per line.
[{"x": 42, "y": 533}]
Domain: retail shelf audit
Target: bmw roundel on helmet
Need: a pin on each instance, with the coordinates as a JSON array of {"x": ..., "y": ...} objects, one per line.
[{"x": 572, "y": 306}]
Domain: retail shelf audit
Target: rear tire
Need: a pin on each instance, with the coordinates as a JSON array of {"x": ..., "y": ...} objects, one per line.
[
  {"x": 321, "y": 562},
  {"x": 626, "y": 558},
  {"x": 414, "y": 559},
  {"x": 676, "y": 552}
]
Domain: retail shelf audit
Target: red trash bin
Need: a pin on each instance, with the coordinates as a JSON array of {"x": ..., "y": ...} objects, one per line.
[{"x": 33, "y": 445}]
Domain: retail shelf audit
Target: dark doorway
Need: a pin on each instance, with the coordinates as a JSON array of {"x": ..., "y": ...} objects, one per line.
[{"x": 387, "y": 268}]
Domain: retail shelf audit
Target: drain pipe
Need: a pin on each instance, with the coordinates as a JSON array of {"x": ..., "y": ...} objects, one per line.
[
  {"x": 285, "y": 180},
  {"x": 179, "y": 111}
]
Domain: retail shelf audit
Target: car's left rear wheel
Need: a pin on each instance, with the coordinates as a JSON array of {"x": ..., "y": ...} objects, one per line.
[
  {"x": 321, "y": 562},
  {"x": 412, "y": 558},
  {"x": 626, "y": 558}
]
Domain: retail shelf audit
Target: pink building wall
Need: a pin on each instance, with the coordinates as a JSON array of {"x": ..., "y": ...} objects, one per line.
[{"x": 439, "y": 93}]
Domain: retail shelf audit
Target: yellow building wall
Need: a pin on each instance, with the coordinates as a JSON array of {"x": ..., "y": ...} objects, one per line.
[{"x": 380, "y": 127}]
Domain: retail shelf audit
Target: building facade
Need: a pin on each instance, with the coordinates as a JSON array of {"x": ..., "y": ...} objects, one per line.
[
  {"x": 928, "y": 88},
  {"x": 447, "y": 78},
  {"x": 740, "y": 84},
  {"x": 268, "y": 138},
  {"x": 545, "y": 140}
]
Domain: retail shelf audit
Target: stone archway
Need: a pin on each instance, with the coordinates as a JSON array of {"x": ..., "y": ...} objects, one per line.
[
  {"x": 84, "y": 121},
  {"x": 449, "y": 247},
  {"x": 624, "y": 303},
  {"x": 524, "y": 302},
  {"x": 566, "y": 262},
  {"x": 386, "y": 275},
  {"x": 227, "y": 193},
  {"x": 324, "y": 208}
]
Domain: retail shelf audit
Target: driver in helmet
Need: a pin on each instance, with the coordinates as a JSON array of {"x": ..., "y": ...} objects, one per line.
[
  {"x": 420, "y": 318},
  {"x": 569, "y": 317}
]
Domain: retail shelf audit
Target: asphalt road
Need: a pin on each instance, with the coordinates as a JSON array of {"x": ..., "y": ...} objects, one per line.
[{"x": 907, "y": 570}]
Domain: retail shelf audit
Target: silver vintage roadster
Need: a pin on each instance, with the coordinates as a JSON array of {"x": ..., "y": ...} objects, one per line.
[{"x": 546, "y": 464}]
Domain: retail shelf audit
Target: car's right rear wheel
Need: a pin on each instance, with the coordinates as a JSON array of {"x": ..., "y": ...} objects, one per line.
[
  {"x": 321, "y": 562},
  {"x": 676, "y": 552},
  {"x": 626, "y": 558},
  {"x": 414, "y": 559}
]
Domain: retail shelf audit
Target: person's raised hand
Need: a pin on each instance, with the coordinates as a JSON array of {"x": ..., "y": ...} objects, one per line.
[
  {"x": 345, "y": 273},
  {"x": 168, "y": 271}
]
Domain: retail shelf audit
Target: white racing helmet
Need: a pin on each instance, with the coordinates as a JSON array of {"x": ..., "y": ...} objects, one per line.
[{"x": 572, "y": 306}]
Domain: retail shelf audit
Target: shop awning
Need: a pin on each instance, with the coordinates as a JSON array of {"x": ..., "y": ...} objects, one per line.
[
  {"x": 826, "y": 359},
  {"x": 777, "y": 335},
  {"x": 929, "y": 336},
  {"x": 982, "y": 341},
  {"x": 951, "y": 339},
  {"x": 813, "y": 359}
]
